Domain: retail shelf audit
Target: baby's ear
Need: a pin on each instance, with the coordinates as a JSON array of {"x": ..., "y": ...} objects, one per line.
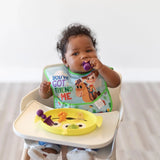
[{"x": 65, "y": 62}]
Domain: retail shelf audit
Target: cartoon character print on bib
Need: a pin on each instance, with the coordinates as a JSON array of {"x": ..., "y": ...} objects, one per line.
[{"x": 85, "y": 87}]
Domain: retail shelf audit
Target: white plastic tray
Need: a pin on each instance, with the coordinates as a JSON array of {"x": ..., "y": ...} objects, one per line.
[{"x": 25, "y": 127}]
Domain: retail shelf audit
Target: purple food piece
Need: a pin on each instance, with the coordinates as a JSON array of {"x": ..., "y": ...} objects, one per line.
[
  {"x": 86, "y": 66},
  {"x": 49, "y": 121},
  {"x": 40, "y": 112}
]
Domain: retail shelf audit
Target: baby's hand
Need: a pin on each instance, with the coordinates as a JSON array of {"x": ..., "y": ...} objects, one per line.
[
  {"x": 45, "y": 89},
  {"x": 95, "y": 63}
]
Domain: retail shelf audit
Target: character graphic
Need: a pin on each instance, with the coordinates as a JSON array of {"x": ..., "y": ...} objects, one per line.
[
  {"x": 90, "y": 80},
  {"x": 82, "y": 90},
  {"x": 85, "y": 88}
]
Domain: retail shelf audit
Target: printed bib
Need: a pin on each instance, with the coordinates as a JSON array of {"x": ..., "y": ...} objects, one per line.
[{"x": 86, "y": 91}]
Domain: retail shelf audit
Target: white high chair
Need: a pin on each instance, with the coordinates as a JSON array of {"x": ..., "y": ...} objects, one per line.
[{"x": 108, "y": 152}]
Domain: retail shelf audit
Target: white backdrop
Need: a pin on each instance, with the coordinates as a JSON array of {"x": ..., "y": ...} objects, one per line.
[{"x": 128, "y": 34}]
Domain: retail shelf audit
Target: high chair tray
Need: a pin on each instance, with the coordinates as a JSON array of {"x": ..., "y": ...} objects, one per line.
[{"x": 25, "y": 127}]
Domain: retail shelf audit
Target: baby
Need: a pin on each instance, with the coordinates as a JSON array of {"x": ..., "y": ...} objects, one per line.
[{"x": 89, "y": 88}]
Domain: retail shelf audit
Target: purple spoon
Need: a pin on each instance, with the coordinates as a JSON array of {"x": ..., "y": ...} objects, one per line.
[{"x": 47, "y": 120}]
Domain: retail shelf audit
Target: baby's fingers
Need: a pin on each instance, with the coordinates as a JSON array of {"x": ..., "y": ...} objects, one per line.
[
  {"x": 45, "y": 86},
  {"x": 46, "y": 83},
  {"x": 93, "y": 62}
]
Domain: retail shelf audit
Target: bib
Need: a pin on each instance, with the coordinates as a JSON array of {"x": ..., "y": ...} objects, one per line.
[{"x": 86, "y": 91}]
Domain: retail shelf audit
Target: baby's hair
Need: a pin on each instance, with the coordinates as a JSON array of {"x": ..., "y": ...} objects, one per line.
[{"x": 74, "y": 29}]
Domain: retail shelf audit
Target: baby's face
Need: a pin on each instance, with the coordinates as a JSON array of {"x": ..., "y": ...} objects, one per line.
[{"x": 79, "y": 49}]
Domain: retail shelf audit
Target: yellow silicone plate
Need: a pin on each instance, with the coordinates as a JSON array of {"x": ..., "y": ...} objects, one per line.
[{"x": 78, "y": 122}]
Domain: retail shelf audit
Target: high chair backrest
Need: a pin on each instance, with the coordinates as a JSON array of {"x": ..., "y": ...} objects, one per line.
[{"x": 115, "y": 94}]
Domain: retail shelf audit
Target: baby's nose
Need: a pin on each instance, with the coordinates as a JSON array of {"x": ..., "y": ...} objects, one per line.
[{"x": 84, "y": 56}]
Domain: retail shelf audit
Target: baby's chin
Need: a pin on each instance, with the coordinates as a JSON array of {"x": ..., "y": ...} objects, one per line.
[
  {"x": 84, "y": 71},
  {"x": 81, "y": 70}
]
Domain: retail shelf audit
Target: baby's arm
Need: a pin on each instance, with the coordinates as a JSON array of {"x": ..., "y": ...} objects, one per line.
[
  {"x": 110, "y": 76},
  {"x": 45, "y": 90}
]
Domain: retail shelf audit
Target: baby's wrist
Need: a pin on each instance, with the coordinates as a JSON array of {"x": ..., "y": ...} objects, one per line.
[{"x": 100, "y": 67}]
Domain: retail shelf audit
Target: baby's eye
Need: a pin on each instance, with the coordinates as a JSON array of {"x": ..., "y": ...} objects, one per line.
[
  {"x": 89, "y": 50},
  {"x": 75, "y": 54}
]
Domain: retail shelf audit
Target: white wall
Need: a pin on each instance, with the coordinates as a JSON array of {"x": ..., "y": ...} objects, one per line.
[{"x": 128, "y": 34}]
